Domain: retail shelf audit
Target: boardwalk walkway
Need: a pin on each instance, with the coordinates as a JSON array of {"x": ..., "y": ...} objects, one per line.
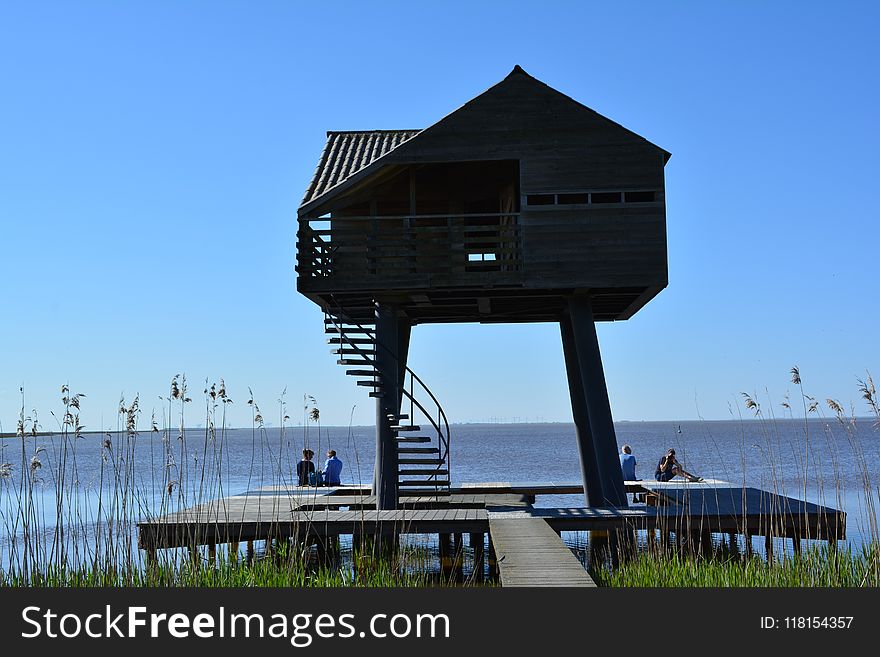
[
  {"x": 524, "y": 536},
  {"x": 529, "y": 553}
]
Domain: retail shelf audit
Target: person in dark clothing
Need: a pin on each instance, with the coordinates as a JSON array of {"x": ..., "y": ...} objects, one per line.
[
  {"x": 669, "y": 466},
  {"x": 305, "y": 467}
]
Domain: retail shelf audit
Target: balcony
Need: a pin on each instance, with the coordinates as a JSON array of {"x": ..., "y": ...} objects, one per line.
[{"x": 372, "y": 253}]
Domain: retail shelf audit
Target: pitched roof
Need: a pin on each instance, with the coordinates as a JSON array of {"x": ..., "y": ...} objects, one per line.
[{"x": 347, "y": 152}]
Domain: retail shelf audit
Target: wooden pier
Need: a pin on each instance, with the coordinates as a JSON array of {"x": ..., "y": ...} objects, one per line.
[
  {"x": 529, "y": 553},
  {"x": 524, "y": 539}
]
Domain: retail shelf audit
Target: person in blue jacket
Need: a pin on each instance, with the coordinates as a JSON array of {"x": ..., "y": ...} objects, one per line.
[
  {"x": 628, "y": 466},
  {"x": 332, "y": 469}
]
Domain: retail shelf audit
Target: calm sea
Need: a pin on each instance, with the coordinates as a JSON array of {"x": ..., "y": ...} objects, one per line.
[{"x": 826, "y": 461}]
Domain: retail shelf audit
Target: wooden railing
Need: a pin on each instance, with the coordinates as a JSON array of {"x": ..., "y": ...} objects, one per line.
[{"x": 394, "y": 247}]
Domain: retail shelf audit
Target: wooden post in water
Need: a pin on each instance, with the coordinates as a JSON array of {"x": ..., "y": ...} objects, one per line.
[
  {"x": 492, "y": 561},
  {"x": 151, "y": 558},
  {"x": 321, "y": 548},
  {"x": 748, "y": 542},
  {"x": 705, "y": 542},
  {"x": 445, "y": 551},
  {"x": 598, "y": 546},
  {"x": 478, "y": 546},
  {"x": 458, "y": 558},
  {"x": 233, "y": 552}
]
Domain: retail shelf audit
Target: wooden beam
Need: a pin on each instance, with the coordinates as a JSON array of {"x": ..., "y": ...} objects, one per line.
[
  {"x": 595, "y": 392},
  {"x": 385, "y": 474}
]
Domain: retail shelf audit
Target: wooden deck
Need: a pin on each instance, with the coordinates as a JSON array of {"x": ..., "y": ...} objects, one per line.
[
  {"x": 523, "y": 534},
  {"x": 529, "y": 553}
]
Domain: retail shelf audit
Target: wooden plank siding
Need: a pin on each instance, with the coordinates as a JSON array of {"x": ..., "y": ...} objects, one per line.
[{"x": 519, "y": 135}]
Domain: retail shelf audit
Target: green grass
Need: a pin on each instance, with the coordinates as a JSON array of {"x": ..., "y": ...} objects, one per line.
[
  {"x": 818, "y": 567},
  {"x": 278, "y": 571}
]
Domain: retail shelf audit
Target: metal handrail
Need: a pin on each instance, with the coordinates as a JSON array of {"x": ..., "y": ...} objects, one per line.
[{"x": 443, "y": 437}]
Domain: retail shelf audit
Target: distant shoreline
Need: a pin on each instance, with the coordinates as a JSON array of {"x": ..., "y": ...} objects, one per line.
[{"x": 292, "y": 427}]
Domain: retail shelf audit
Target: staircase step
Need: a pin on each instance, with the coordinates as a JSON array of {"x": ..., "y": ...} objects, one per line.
[
  {"x": 418, "y": 450},
  {"x": 422, "y": 482},
  {"x": 353, "y": 352},
  {"x": 347, "y": 340},
  {"x": 413, "y": 439},
  {"x": 370, "y": 384},
  {"x": 362, "y": 372},
  {"x": 332, "y": 330},
  {"x": 406, "y": 427},
  {"x": 377, "y": 394},
  {"x": 392, "y": 416},
  {"x": 420, "y": 461},
  {"x": 353, "y": 361},
  {"x": 422, "y": 472}
]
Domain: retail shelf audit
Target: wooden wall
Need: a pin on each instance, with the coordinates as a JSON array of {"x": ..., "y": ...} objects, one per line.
[{"x": 561, "y": 147}]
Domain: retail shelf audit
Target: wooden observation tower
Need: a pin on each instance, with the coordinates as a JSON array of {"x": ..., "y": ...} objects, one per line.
[{"x": 523, "y": 205}]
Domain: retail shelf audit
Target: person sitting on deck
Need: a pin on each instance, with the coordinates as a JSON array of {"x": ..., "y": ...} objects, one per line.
[
  {"x": 305, "y": 467},
  {"x": 669, "y": 466},
  {"x": 332, "y": 469},
  {"x": 628, "y": 466}
]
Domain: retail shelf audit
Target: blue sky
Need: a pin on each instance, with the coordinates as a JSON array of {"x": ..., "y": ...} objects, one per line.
[{"x": 153, "y": 155}]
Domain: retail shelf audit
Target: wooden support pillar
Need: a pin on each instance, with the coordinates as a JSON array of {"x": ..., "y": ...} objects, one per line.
[
  {"x": 796, "y": 544},
  {"x": 614, "y": 548},
  {"x": 458, "y": 558},
  {"x": 478, "y": 545},
  {"x": 249, "y": 552},
  {"x": 598, "y": 547},
  {"x": 212, "y": 553},
  {"x": 233, "y": 552},
  {"x": 151, "y": 555},
  {"x": 705, "y": 542},
  {"x": 748, "y": 541},
  {"x": 590, "y": 476},
  {"x": 404, "y": 331},
  {"x": 768, "y": 546},
  {"x": 357, "y": 543},
  {"x": 445, "y": 551},
  {"x": 732, "y": 543},
  {"x": 321, "y": 548},
  {"x": 492, "y": 561},
  {"x": 385, "y": 476},
  {"x": 624, "y": 542},
  {"x": 595, "y": 396}
]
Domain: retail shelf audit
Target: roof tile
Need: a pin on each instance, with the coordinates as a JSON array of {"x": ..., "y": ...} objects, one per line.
[{"x": 346, "y": 153}]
